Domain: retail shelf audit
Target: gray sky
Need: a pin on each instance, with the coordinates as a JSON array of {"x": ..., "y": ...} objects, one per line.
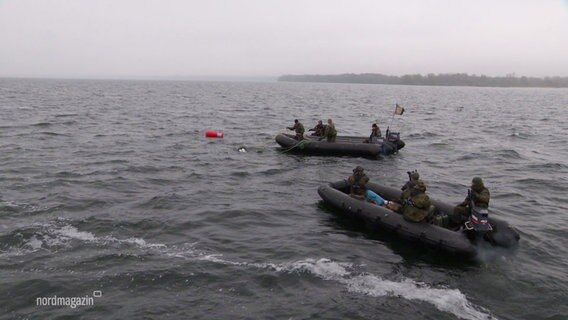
[{"x": 146, "y": 38}]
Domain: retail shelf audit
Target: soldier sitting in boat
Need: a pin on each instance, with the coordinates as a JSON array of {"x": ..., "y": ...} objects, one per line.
[
  {"x": 358, "y": 183},
  {"x": 417, "y": 205},
  {"x": 413, "y": 177},
  {"x": 299, "y": 128},
  {"x": 375, "y": 134},
  {"x": 330, "y": 133},
  {"x": 358, "y": 188},
  {"x": 318, "y": 129},
  {"x": 479, "y": 196}
]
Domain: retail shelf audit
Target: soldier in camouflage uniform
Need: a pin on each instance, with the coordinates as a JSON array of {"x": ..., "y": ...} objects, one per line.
[
  {"x": 480, "y": 196},
  {"x": 299, "y": 128},
  {"x": 330, "y": 133},
  {"x": 318, "y": 129},
  {"x": 413, "y": 177},
  {"x": 375, "y": 133},
  {"x": 415, "y": 207},
  {"x": 358, "y": 183}
]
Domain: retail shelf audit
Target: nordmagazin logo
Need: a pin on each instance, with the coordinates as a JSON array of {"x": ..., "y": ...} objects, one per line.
[{"x": 72, "y": 302}]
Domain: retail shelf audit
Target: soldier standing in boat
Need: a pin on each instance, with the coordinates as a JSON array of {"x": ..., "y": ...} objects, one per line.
[
  {"x": 318, "y": 129},
  {"x": 299, "y": 128},
  {"x": 330, "y": 133}
]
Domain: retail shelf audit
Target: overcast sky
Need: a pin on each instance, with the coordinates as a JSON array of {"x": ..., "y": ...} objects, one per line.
[{"x": 167, "y": 38}]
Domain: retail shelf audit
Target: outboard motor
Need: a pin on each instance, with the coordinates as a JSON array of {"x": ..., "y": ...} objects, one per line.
[
  {"x": 478, "y": 223},
  {"x": 394, "y": 138},
  {"x": 478, "y": 220}
]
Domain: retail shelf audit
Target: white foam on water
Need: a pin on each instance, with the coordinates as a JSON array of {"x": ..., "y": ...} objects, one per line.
[
  {"x": 74, "y": 233},
  {"x": 69, "y": 232},
  {"x": 130, "y": 241},
  {"x": 447, "y": 300},
  {"x": 14, "y": 252},
  {"x": 444, "y": 299},
  {"x": 53, "y": 235},
  {"x": 34, "y": 244}
]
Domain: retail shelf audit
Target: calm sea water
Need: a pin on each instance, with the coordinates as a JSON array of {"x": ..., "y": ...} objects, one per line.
[{"x": 111, "y": 191}]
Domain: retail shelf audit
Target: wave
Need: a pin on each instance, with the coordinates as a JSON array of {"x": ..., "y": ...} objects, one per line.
[
  {"x": 49, "y": 133},
  {"x": 67, "y": 174},
  {"x": 555, "y": 166},
  {"x": 519, "y": 135},
  {"x": 240, "y": 174},
  {"x": 508, "y": 154},
  {"x": 12, "y": 208},
  {"x": 55, "y": 236},
  {"x": 537, "y": 182},
  {"x": 42, "y": 124},
  {"x": 64, "y": 115},
  {"x": 143, "y": 169},
  {"x": 444, "y": 299},
  {"x": 168, "y": 201},
  {"x": 440, "y": 145},
  {"x": 59, "y": 235},
  {"x": 423, "y": 135}
]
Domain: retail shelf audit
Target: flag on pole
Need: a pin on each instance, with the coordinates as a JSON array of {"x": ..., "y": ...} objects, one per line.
[{"x": 398, "y": 110}]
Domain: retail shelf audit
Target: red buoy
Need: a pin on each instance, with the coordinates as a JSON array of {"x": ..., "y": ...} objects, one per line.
[{"x": 213, "y": 134}]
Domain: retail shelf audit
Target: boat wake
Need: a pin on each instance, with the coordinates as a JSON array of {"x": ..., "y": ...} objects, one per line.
[
  {"x": 57, "y": 236},
  {"x": 444, "y": 299}
]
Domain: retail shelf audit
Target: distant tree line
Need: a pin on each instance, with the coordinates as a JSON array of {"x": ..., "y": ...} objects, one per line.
[{"x": 442, "y": 79}]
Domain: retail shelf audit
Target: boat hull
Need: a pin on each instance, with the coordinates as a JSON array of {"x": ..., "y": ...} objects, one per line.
[
  {"x": 343, "y": 146},
  {"x": 456, "y": 242}
]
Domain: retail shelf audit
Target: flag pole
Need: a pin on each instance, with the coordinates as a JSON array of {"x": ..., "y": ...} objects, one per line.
[
  {"x": 398, "y": 110},
  {"x": 393, "y": 114},
  {"x": 392, "y": 118}
]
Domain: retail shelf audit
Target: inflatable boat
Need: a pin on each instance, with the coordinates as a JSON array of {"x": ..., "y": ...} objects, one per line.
[
  {"x": 461, "y": 240},
  {"x": 343, "y": 146}
]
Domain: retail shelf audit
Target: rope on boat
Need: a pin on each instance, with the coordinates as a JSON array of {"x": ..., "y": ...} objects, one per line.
[
  {"x": 262, "y": 146},
  {"x": 300, "y": 145}
]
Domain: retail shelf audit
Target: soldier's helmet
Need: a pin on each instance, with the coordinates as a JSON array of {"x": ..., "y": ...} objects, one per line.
[
  {"x": 477, "y": 183},
  {"x": 358, "y": 170},
  {"x": 414, "y": 175}
]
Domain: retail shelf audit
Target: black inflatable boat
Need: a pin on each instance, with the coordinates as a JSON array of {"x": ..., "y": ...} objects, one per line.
[
  {"x": 461, "y": 240},
  {"x": 343, "y": 146}
]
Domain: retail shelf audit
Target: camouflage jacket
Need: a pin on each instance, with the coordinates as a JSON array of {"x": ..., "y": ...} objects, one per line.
[
  {"x": 416, "y": 207},
  {"x": 376, "y": 132},
  {"x": 480, "y": 199},
  {"x": 358, "y": 184},
  {"x": 318, "y": 130},
  {"x": 330, "y": 130},
  {"x": 298, "y": 127}
]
